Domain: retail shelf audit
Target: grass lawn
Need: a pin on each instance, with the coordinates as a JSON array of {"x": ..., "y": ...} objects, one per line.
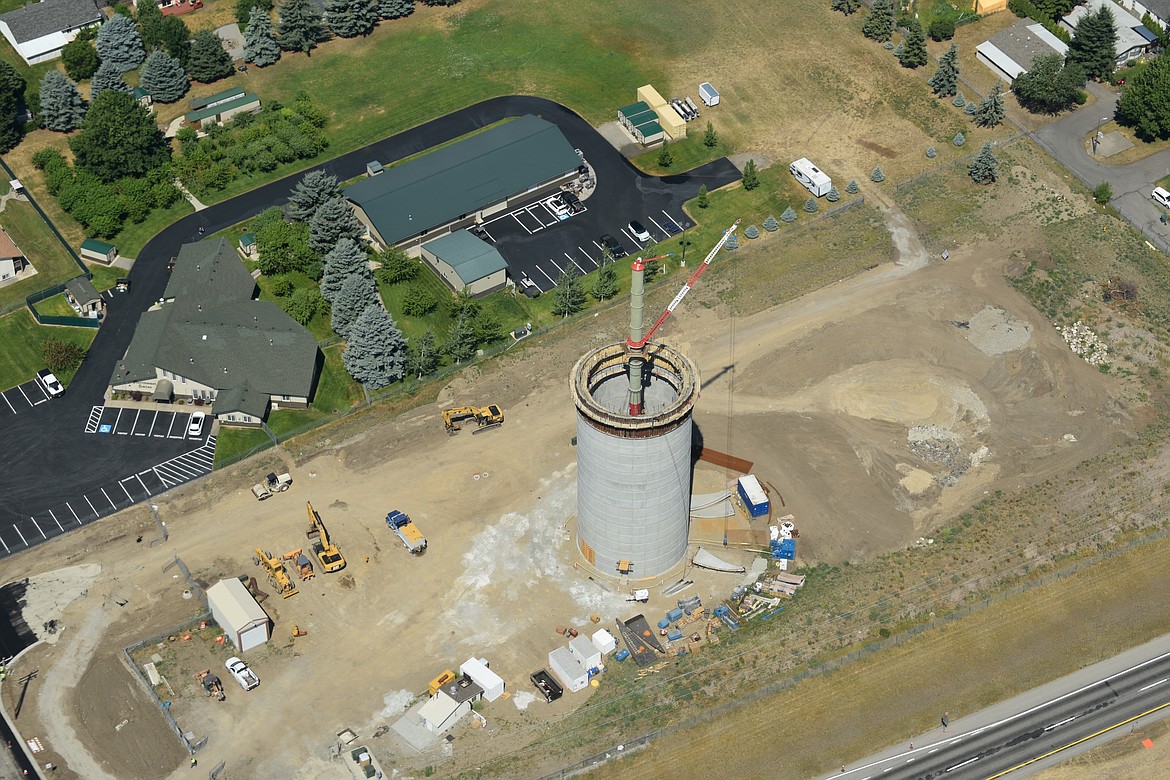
[
  {"x": 320, "y": 326},
  {"x": 53, "y": 262},
  {"x": 134, "y": 236},
  {"x": 105, "y": 277},
  {"x": 56, "y": 306},
  {"x": 232, "y": 442},
  {"x": 688, "y": 153},
  {"x": 336, "y": 392},
  {"x": 21, "y": 357}
]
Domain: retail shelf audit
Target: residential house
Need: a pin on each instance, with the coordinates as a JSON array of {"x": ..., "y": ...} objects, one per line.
[
  {"x": 1131, "y": 43},
  {"x": 1012, "y": 51},
  {"x": 220, "y": 107},
  {"x": 12, "y": 260},
  {"x": 209, "y": 340},
  {"x": 38, "y": 31}
]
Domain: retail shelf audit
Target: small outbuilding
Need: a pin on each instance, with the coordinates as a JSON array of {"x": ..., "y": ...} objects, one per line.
[
  {"x": 99, "y": 251},
  {"x": 604, "y": 641},
  {"x": 373, "y": 168},
  {"x": 642, "y": 122},
  {"x": 248, "y": 244},
  {"x": 477, "y": 670},
  {"x": 219, "y": 108},
  {"x": 565, "y": 667},
  {"x": 84, "y": 297},
  {"x": 243, "y": 620},
  {"x": 12, "y": 260},
  {"x": 466, "y": 263},
  {"x": 585, "y": 652}
]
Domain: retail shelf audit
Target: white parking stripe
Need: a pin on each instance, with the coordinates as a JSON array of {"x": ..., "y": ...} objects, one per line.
[
  {"x": 26, "y": 398},
  {"x": 137, "y": 414},
  {"x": 675, "y": 221},
  {"x": 144, "y": 487},
  {"x": 574, "y": 262},
  {"x": 658, "y": 226},
  {"x": 521, "y": 224},
  {"x": 75, "y": 517},
  {"x": 91, "y": 506},
  {"x": 114, "y": 428},
  {"x": 17, "y": 529},
  {"x": 590, "y": 259},
  {"x": 122, "y": 484},
  {"x": 490, "y": 236},
  {"x": 546, "y": 276},
  {"x": 38, "y": 525},
  {"x": 44, "y": 392},
  {"x": 55, "y": 520},
  {"x": 637, "y": 243},
  {"x": 6, "y": 547},
  {"x": 600, "y": 248},
  {"x": 174, "y": 416},
  {"x": 107, "y": 495},
  {"x": 8, "y": 402},
  {"x": 160, "y": 477},
  {"x": 554, "y": 262}
]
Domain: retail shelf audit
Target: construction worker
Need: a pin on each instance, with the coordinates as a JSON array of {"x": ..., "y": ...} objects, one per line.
[{"x": 194, "y": 762}]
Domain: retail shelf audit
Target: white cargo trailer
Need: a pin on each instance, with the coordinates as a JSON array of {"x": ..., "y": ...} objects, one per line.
[
  {"x": 565, "y": 667},
  {"x": 708, "y": 94},
  {"x": 812, "y": 177}
]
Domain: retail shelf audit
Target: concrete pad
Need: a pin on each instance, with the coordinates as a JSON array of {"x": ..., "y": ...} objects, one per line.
[
  {"x": 620, "y": 139},
  {"x": 1113, "y": 143},
  {"x": 233, "y": 40},
  {"x": 410, "y": 727}
]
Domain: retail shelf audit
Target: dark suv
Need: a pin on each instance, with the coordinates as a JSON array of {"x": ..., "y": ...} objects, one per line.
[{"x": 611, "y": 243}]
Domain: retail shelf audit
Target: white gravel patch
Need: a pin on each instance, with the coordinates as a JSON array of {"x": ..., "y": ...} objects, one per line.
[{"x": 994, "y": 331}]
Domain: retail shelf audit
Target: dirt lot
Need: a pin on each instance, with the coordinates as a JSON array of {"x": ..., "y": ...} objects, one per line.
[{"x": 877, "y": 406}]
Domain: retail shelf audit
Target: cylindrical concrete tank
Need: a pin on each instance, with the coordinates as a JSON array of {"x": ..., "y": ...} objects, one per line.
[{"x": 633, "y": 472}]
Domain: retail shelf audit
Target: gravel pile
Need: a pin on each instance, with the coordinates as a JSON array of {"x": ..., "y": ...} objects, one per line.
[
  {"x": 993, "y": 331},
  {"x": 935, "y": 444}
]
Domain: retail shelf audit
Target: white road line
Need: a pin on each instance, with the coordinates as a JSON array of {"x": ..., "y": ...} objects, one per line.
[
  {"x": 595, "y": 264},
  {"x": 10, "y": 406},
  {"x": 107, "y": 495},
  {"x": 658, "y": 226},
  {"x": 91, "y": 506},
  {"x": 122, "y": 484},
  {"x": 675, "y": 221},
  {"x": 26, "y": 398},
  {"x": 174, "y": 416},
  {"x": 932, "y": 751},
  {"x": 1151, "y": 685},
  {"x": 1061, "y": 723},
  {"x": 75, "y": 517},
  {"x": 546, "y": 276},
  {"x": 144, "y": 487},
  {"x": 6, "y": 547},
  {"x": 574, "y": 262},
  {"x": 55, "y": 520},
  {"x": 17, "y": 529},
  {"x": 554, "y": 262},
  {"x": 959, "y": 766},
  {"x": 38, "y": 525}
]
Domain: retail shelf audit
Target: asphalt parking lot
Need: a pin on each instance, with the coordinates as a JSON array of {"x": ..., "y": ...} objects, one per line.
[
  {"x": 530, "y": 236},
  {"x": 22, "y": 398},
  {"x": 156, "y": 423}
]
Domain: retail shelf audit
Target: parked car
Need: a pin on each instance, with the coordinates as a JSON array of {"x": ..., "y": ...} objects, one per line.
[
  {"x": 49, "y": 383},
  {"x": 612, "y": 244},
  {"x": 557, "y": 206},
  {"x": 195, "y": 427},
  {"x": 244, "y": 676},
  {"x": 638, "y": 231},
  {"x": 573, "y": 202},
  {"x": 1161, "y": 197}
]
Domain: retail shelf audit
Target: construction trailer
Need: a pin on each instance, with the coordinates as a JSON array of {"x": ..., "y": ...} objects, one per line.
[
  {"x": 481, "y": 675},
  {"x": 813, "y": 178},
  {"x": 585, "y": 652},
  {"x": 243, "y": 620},
  {"x": 708, "y": 94},
  {"x": 604, "y": 641},
  {"x": 565, "y": 667},
  {"x": 753, "y": 496}
]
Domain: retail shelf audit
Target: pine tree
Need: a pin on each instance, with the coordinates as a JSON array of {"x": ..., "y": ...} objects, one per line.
[
  {"x": 960, "y": 139},
  {"x": 461, "y": 337},
  {"x": 424, "y": 355},
  {"x": 163, "y": 77},
  {"x": 984, "y": 169},
  {"x": 314, "y": 189},
  {"x": 945, "y": 80},
  {"x": 811, "y": 206},
  {"x": 970, "y": 108},
  {"x": 847, "y": 7},
  {"x": 752, "y": 232},
  {"x": 879, "y": 25},
  {"x": 62, "y": 108},
  {"x": 788, "y": 216},
  {"x": 771, "y": 225},
  {"x": 375, "y": 352},
  {"x": 665, "y": 157},
  {"x": 878, "y": 175},
  {"x": 914, "y": 54},
  {"x": 260, "y": 46},
  {"x": 333, "y": 221},
  {"x": 751, "y": 178},
  {"x": 244, "y": 10},
  {"x": 395, "y": 9},
  {"x": 300, "y": 27},
  {"x": 710, "y": 140},
  {"x": 350, "y": 18},
  {"x": 150, "y": 24},
  {"x": 107, "y": 77},
  {"x": 703, "y": 200},
  {"x": 343, "y": 261},
  {"x": 355, "y": 295},
  {"x": 119, "y": 44},
  {"x": 732, "y": 243},
  {"x": 990, "y": 112},
  {"x": 959, "y": 100},
  {"x": 568, "y": 297},
  {"x": 833, "y": 195},
  {"x": 606, "y": 284},
  {"x": 176, "y": 38},
  {"x": 852, "y": 187},
  {"x": 931, "y": 152},
  {"x": 1094, "y": 44},
  {"x": 209, "y": 60},
  {"x": 12, "y": 89}
]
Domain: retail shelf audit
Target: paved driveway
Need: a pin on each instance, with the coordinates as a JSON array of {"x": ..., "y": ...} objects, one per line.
[
  {"x": 1064, "y": 140},
  {"x": 53, "y": 467}
]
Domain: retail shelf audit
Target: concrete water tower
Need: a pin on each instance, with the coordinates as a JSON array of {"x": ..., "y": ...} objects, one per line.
[{"x": 634, "y": 402}]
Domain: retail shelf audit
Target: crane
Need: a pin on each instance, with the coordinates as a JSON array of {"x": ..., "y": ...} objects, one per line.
[{"x": 636, "y": 343}]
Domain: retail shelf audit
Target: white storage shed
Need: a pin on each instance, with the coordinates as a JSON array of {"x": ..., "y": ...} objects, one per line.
[
  {"x": 585, "y": 652},
  {"x": 604, "y": 641},
  {"x": 565, "y": 667},
  {"x": 812, "y": 177},
  {"x": 481, "y": 675},
  {"x": 243, "y": 620},
  {"x": 442, "y": 712}
]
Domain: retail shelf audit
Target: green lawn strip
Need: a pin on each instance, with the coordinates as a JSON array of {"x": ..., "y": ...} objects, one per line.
[
  {"x": 233, "y": 442},
  {"x": 336, "y": 392},
  {"x": 48, "y": 256},
  {"x": 106, "y": 276},
  {"x": 22, "y": 337},
  {"x": 777, "y": 191},
  {"x": 56, "y": 306},
  {"x": 134, "y": 236},
  {"x": 688, "y": 153}
]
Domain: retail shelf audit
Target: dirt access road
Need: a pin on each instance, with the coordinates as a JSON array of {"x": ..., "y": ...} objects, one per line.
[{"x": 876, "y": 406}]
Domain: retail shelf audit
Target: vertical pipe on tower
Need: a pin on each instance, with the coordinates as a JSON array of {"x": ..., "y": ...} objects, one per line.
[{"x": 635, "y": 346}]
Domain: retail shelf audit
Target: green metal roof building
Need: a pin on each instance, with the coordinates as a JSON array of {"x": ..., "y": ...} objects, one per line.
[
  {"x": 642, "y": 122},
  {"x": 465, "y": 262},
  {"x": 477, "y": 176}
]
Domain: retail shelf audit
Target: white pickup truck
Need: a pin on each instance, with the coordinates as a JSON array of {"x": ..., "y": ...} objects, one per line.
[{"x": 244, "y": 676}]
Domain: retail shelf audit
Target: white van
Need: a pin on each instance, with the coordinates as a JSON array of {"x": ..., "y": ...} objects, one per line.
[{"x": 1161, "y": 197}]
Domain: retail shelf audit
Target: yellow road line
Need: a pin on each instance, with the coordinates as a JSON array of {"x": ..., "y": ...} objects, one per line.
[{"x": 1079, "y": 741}]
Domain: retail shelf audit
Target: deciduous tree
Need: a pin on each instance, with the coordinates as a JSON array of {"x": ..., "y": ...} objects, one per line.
[
  {"x": 12, "y": 88},
  {"x": 424, "y": 355},
  {"x": 396, "y": 266},
  {"x": 62, "y": 108},
  {"x": 80, "y": 59},
  {"x": 119, "y": 138},
  {"x": 119, "y": 44},
  {"x": 305, "y": 304},
  {"x": 244, "y": 9},
  {"x": 418, "y": 301},
  {"x": 1050, "y": 86},
  {"x": 569, "y": 296},
  {"x": 1145, "y": 101},
  {"x": 176, "y": 38}
]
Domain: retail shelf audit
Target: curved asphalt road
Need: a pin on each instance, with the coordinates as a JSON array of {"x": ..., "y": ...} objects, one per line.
[
  {"x": 48, "y": 459},
  {"x": 1039, "y": 729}
]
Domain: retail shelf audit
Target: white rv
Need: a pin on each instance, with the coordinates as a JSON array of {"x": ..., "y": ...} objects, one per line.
[{"x": 812, "y": 177}]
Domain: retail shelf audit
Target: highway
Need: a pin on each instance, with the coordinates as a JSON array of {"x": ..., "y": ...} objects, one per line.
[{"x": 1038, "y": 729}]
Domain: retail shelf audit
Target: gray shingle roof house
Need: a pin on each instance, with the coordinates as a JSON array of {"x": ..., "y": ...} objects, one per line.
[
  {"x": 212, "y": 342},
  {"x": 472, "y": 177},
  {"x": 38, "y": 31}
]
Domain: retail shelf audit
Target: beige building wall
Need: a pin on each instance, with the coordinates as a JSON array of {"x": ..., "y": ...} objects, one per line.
[
  {"x": 489, "y": 283},
  {"x": 674, "y": 125}
]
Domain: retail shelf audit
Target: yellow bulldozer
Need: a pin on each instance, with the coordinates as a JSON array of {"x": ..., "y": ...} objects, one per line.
[
  {"x": 485, "y": 417},
  {"x": 277, "y": 575},
  {"x": 328, "y": 553}
]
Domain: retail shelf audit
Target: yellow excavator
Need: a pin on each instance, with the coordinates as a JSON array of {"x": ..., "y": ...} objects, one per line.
[
  {"x": 486, "y": 418},
  {"x": 328, "y": 553},
  {"x": 277, "y": 576}
]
